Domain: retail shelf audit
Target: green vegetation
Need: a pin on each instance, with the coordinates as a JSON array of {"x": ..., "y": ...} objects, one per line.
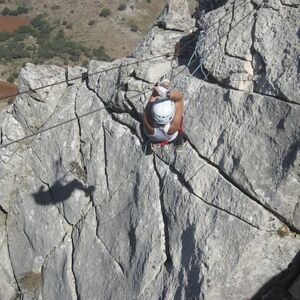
[
  {"x": 41, "y": 25},
  {"x": 105, "y": 12},
  {"x": 4, "y": 36},
  {"x": 99, "y": 54},
  {"x": 13, "y": 49},
  {"x": 122, "y": 7},
  {"x": 13, "y": 77},
  {"x": 134, "y": 28},
  {"x": 55, "y": 7},
  {"x": 19, "y": 11},
  {"x": 47, "y": 44},
  {"x": 26, "y": 31}
]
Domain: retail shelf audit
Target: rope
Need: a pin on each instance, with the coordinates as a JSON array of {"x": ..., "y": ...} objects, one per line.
[
  {"x": 217, "y": 41},
  {"x": 83, "y": 76},
  {"x": 102, "y": 71},
  {"x": 167, "y": 54}
]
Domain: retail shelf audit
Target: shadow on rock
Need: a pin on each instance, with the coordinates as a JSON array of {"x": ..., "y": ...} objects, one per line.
[
  {"x": 277, "y": 287},
  {"x": 191, "y": 59},
  {"x": 59, "y": 192}
]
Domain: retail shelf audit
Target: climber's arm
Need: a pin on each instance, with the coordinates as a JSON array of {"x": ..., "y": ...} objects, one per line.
[
  {"x": 177, "y": 97},
  {"x": 147, "y": 121}
]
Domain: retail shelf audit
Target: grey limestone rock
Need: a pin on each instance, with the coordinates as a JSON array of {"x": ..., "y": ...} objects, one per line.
[
  {"x": 86, "y": 214},
  {"x": 254, "y": 47},
  {"x": 176, "y": 16}
]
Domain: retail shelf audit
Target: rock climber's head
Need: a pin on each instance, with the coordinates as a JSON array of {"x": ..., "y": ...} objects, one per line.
[{"x": 163, "y": 111}]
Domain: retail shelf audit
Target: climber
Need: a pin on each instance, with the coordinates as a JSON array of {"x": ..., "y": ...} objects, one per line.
[{"x": 163, "y": 116}]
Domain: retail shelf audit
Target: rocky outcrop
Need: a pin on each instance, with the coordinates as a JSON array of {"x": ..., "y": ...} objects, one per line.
[
  {"x": 86, "y": 214},
  {"x": 263, "y": 59}
]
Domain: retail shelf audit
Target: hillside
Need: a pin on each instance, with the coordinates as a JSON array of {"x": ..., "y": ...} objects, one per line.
[
  {"x": 126, "y": 22},
  {"x": 86, "y": 214}
]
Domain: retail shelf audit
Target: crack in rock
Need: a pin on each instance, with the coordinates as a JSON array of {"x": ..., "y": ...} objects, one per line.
[
  {"x": 19, "y": 291},
  {"x": 80, "y": 141},
  {"x": 28, "y": 239},
  {"x": 52, "y": 250},
  {"x": 292, "y": 5},
  {"x": 132, "y": 129},
  {"x": 188, "y": 186},
  {"x": 134, "y": 76},
  {"x": 120, "y": 267},
  {"x": 35, "y": 96},
  {"x": 168, "y": 263},
  {"x": 244, "y": 190},
  {"x": 1, "y": 136},
  {"x": 230, "y": 27},
  {"x": 216, "y": 82},
  {"x": 3, "y": 210},
  {"x": 111, "y": 110},
  {"x": 105, "y": 158},
  {"x": 73, "y": 263}
]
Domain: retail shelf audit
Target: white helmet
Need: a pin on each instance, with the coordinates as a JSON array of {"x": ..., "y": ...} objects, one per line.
[{"x": 163, "y": 111}]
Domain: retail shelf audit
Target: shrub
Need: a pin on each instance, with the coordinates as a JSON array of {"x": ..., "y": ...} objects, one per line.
[
  {"x": 26, "y": 30},
  {"x": 4, "y": 36},
  {"x": 12, "y": 77},
  {"x": 122, "y": 7},
  {"x": 2, "y": 1},
  {"x": 37, "y": 60},
  {"x": 45, "y": 52},
  {"x": 91, "y": 22},
  {"x": 41, "y": 25},
  {"x": 4, "y": 54},
  {"x": 55, "y": 7},
  {"x": 20, "y": 53},
  {"x": 148, "y": 1},
  {"x": 60, "y": 46},
  {"x": 99, "y": 53},
  {"x": 105, "y": 12},
  {"x": 64, "y": 22},
  {"x": 21, "y": 10},
  {"x": 69, "y": 26},
  {"x": 31, "y": 48},
  {"x": 5, "y": 11},
  {"x": 134, "y": 28},
  {"x": 20, "y": 36}
]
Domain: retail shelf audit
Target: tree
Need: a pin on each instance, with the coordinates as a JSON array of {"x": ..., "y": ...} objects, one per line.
[
  {"x": 5, "y": 11},
  {"x": 122, "y": 7},
  {"x": 105, "y": 12}
]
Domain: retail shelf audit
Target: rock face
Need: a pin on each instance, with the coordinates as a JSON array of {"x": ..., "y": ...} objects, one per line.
[
  {"x": 254, "y": 47},
  {"x": 85, "y": 214}
]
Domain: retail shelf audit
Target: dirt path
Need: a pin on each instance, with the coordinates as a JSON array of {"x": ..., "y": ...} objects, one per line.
[
  {"x": 10, "y": 23},
  {"x": 7, "y": 89}
]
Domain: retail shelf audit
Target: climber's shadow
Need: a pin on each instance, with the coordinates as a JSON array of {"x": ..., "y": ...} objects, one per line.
[
  {"x": 59, "y": 192},
  {"x": 277, "y": 287}
]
